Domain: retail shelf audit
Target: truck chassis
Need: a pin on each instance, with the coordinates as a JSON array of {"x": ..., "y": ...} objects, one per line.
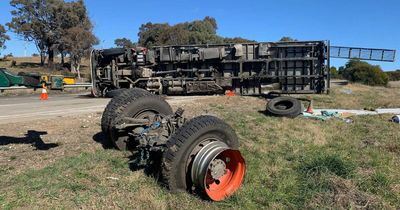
[{"x": 247, "y": 69}]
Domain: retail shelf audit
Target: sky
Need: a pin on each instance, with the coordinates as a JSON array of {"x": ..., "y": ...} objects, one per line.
[{"x": 354, "y": 23}]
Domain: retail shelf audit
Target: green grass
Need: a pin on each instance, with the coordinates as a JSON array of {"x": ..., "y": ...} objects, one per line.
[
  {"x": 361, "y": 96},
  {"x": 347, "y": 166},
  {"x": 292, "y": 164}
]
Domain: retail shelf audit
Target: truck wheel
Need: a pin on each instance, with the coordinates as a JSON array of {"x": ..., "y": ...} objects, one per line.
[
  {"x": 113, "y": 93},
  {"x": 145, "y": 107},
  {"x": 112, "y": 110},
  {"x": 202, "y": 157},
  {"x": 113, "y": 52},
  {"x": 284, "y": 106}
]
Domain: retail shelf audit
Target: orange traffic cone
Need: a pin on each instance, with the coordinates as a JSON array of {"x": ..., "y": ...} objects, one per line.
[
  {"x": 310, "y": 108},
  {"x": 230, "y": 93},
  {"x": 44, "y": 95}
]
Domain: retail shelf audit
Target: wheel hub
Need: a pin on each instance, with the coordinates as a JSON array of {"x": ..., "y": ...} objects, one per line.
[{"x": 217, "y": 168}]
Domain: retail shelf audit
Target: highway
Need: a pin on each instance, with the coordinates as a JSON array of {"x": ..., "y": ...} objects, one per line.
[{"x": 24, "y": 108}]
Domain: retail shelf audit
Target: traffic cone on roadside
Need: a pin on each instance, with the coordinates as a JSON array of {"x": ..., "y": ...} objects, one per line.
[
  {"x": 44, "y": 95},
  {"x": 310, "y": 108},
  {"x": 230, "y": 93}
]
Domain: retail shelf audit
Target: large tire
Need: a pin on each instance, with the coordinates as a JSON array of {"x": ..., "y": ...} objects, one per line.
[
  {"x": 284, "y": 106},
  {"x": 114, "y": 93},
  {"x": 113, "y": 52},
  {"x": 174, "y": 168},
  {"x": 113, "y": 109},
  {"x": 142, "y": 108}
]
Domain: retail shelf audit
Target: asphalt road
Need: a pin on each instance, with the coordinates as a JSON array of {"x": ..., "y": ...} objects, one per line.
[{"x": 24, "y": 108}]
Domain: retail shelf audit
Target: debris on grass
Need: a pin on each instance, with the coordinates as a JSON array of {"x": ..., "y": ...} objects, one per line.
[{"x": 396, "y": 119}]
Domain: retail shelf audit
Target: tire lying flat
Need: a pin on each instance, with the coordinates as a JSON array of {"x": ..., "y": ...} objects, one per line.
[
  {"x": 114, "y": 108},
  {"x": 284, "y": 106}
]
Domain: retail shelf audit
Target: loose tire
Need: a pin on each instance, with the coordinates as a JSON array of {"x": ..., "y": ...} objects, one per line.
[
  {"x": 284, "y": 106},
  {"x": 178, "y": 159},
  {"x": 113, "y": 109},
  {"x": 144, "y": 107}
]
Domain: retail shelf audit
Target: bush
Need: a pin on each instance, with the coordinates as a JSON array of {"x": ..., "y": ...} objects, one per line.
[
  {"x": 363, "y": 72},
  {"x": 394, "y": 75},
  {"x": 334, "y": 72}
]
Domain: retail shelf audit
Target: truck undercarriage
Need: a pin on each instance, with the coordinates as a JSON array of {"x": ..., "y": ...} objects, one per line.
[{"x": 247, "y": 69}]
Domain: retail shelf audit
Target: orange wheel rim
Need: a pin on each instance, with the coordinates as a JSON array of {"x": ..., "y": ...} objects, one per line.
[{"x": 227, "y": 184}]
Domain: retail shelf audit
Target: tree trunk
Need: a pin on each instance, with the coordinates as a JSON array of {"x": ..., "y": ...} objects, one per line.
[
  {"x": 78, "y": 66},
  {"x": 42, "y": 58},
  {"x": 62, "y": 58},
  {"x": 51, "y": 58}
]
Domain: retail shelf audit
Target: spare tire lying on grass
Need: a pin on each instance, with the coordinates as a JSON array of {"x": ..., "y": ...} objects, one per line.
[{"x": 284, "y": 106}]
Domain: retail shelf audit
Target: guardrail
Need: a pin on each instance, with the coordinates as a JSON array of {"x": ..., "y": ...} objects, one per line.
[{"x": 78, "y": 85}]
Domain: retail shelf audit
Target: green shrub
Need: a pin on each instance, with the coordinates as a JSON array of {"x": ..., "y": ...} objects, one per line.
[
  {"x": 334, "y": 72},
  {"x": 394, "y": 75},
  {"x": 363, "y": 72}
]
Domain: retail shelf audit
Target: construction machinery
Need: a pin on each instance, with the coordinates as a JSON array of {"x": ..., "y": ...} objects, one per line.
[
  {"x": 247, "y": 69},
  {"x": 22, "y": 80}
]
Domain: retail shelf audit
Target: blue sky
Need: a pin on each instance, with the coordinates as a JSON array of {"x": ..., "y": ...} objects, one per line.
[{"x": 356, "y": 23}]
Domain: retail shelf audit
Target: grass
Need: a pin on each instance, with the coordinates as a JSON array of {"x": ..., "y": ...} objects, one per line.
[
  {"x": 359, "y": 96},
  {"x": 292, "y": 164}
]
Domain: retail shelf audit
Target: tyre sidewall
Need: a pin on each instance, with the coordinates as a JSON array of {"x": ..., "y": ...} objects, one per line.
[
  {"x": 149, "y": 103},
  {"x": 220, "y": 131},
  {"x": 291, "y": 112}
]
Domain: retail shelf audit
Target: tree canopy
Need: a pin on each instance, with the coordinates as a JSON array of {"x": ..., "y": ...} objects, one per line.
[
  {"x": 360, "y": 71},
  {"x": 195, "y": 32},
  {"x": 124, "y": 42},
  {"x": 47, "y": 22},
  {"x": 287, "y": 39},
  {"x": 3, "y": 37}
]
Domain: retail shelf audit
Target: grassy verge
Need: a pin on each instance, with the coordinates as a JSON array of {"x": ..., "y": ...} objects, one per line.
[
  {"x": 292, "y": 163},
  {"x": 357, "y": 96}
]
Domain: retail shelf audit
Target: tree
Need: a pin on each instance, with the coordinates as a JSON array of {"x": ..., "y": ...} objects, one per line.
[
  {"x": 287, "y": 39},
  {"x": 36, "y": 21},
  {"x": 46, "y": 22},
  {"x": 334, "y": 72},
  {"x": 3, "y": 37},
  {"x": 360, "y": 71},
  {"x": 78, "y": 38},
  {"x": 394, "y": 75},
  {"x": 73, "y": 15},
  {"x": 78, "y": 42},
  {"x": 195, "y": 32},
  {"x": 125, "y": 43}
]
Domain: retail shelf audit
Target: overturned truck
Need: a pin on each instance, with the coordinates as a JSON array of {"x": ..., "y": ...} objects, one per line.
[{"x": 247, "y": 69}]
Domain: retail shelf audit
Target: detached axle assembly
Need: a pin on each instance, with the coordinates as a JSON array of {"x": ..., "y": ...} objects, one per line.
[{"x": 199, "y": 155}]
